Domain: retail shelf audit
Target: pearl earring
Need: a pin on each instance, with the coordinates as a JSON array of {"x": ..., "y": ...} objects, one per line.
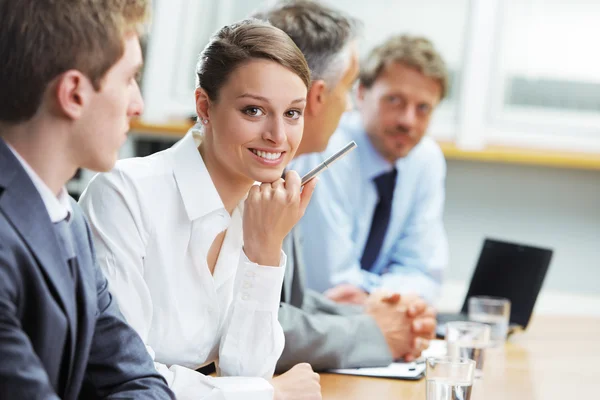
[{"x": 205, "y": 121}]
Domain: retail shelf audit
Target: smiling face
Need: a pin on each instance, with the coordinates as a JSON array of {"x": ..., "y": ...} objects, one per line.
[
  {"x": 256, "y": 124},
  {"x": 397, "y": 108}
]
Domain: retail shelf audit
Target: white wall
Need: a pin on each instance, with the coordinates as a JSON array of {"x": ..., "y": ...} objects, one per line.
[{"x": 549, "y": 207}]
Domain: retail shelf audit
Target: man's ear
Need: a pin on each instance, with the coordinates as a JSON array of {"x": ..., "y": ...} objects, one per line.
[
  {"x": 316, "y": 97},
  {"x": 72, "y": 92},
  {"x": 202, "y": 104}
]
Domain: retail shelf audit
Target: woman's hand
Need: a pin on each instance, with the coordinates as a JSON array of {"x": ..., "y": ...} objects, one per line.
[
  {"x": 271, "y": 210},
  {"x": 299, "y": 383}
]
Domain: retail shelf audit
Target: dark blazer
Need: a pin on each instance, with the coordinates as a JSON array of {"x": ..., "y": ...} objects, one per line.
[
  {"x": 320, "y": 332},
  {"x": 60, "y": 337}
]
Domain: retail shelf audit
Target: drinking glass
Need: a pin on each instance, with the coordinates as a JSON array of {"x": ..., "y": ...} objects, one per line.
[
  {"x": 449, "y": 378},
  {"x": 493, "y": 311},
  {"x": 468, "y": 340}
]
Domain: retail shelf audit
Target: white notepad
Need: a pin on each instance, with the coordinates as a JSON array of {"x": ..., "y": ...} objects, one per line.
[{"x": 400, "y": 370}]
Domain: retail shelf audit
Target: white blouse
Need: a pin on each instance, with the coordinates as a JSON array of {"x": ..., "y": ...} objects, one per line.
[{"x": 154, "y": 220}]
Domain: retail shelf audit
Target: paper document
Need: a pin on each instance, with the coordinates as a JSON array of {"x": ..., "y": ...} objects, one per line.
[
  {"x": 413, "y": 370},
  {"x": 400, "y": 370}
]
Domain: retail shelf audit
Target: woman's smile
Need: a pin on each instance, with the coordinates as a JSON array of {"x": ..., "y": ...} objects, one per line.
[{"x": 271, "y": 158}]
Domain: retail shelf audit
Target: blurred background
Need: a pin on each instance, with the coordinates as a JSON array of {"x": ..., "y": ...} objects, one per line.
[{"x": 520, "y": 128}]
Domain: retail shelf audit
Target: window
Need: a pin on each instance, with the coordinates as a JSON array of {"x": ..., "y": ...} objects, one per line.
[
  {"x": 524, "y": 73},
  {"x": 547, "y": 72},
  {"x": 441, "y": 21},
  {"x": 180, "y": 30}
]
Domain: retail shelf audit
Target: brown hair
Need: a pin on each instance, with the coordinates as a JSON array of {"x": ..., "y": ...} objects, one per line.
[
  {"x": 41, "y": 39},
  {"x": 413, "y": 51},
  {"x": 238, "y": 43},
  {"x": 322, "y": 33}
]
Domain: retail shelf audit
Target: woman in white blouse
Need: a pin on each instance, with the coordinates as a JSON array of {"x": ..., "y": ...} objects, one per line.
[{"x": 191, "y": 249}]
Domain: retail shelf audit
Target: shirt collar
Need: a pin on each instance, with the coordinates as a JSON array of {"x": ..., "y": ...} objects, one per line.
[
  {"x": 372, "y": 163},
  {"x": 199, "y": 194},
  {"x": 58, "y": 207}
]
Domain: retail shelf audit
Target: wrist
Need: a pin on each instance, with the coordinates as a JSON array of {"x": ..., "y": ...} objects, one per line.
[
  {"x": 268, "y": 255},
  {"x": 276, "y": 392}
]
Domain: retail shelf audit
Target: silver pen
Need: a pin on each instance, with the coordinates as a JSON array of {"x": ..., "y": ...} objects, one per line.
[{"x": 327, "y": 163}]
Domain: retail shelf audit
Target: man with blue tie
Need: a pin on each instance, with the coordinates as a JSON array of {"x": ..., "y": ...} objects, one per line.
[
  {"x": 68, "y": 93},
  {"x": 376, "y": 219}
]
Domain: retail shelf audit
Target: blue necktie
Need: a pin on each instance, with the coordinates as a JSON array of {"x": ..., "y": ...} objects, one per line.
[{"x": 385, "y": 183}]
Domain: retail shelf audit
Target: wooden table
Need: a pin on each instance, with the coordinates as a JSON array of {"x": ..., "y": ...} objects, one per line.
[{"x": 556, "y": 358}]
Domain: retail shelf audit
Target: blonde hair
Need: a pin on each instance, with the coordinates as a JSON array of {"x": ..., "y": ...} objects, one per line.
[
  {"x": 41, "y": 39},
  {"x": 413, "y": 51}
]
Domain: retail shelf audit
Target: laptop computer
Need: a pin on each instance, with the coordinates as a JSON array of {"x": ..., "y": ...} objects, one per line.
[{"x": 511, "y": 270}]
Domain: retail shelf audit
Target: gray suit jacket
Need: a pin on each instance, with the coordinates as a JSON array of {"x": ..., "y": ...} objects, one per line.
[
  {"x": 61, "y": 333},
  {"x": 319, "y": 331}
]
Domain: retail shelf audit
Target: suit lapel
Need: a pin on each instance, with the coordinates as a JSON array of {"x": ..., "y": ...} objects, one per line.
[
  {"x": 293, "y": 283},
  {"x": 86, "y": 299},
  {"x": 297, "y": 285},
  {"x": 288, "y": 248},
  {"x": 22, "y": 205}
]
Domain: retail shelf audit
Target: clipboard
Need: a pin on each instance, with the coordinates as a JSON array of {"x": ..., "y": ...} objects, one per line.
[{"x": 398, "y": 370}]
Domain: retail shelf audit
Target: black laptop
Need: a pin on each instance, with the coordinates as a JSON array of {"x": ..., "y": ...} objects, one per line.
[{"x": 510, "y": 270}]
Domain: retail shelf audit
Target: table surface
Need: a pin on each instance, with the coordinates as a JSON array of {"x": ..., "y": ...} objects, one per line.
[{"x": 556, "y": 358}]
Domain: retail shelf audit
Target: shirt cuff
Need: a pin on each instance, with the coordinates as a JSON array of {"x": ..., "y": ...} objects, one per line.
[
  {"x": 369, "y": 281},
  {"x": 188, "y": 384},
  {"x": 418, "y": 283},
  {"x": 260, "y": 286},
  {"x": 243, "y": 388}
]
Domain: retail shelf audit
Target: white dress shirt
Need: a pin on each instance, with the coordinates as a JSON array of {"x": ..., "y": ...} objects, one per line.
[
  {"x": 153, "y": 220},
  {"x": 58, "y": 207}
]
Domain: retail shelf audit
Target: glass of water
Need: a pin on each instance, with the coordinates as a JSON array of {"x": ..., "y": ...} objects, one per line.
[
  {"x": 468, "y": 340},
  {"x": 493, "y": 311},
  {"x": 449, "y": 378}
]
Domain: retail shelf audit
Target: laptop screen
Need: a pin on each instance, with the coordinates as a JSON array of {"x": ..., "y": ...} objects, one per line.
[{"x": 513, "y": 271}]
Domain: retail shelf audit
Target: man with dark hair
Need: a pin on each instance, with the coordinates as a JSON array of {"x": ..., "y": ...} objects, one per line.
[
  {"x": 376, "y": 221},
  {"x": 68, "y": 92},
  {"x": 317, "y": 330}
]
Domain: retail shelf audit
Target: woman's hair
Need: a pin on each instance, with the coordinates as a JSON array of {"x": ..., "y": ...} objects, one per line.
[{"x": 236, "y": 44}]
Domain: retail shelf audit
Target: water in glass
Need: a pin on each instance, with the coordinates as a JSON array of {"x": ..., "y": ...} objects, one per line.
[
  {"x": 498, "y": 325},
  {"x": 444, "y": 389}
]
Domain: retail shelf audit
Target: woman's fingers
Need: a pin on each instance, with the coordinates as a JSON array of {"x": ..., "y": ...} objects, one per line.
[{"x": 307, "y": 192}]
